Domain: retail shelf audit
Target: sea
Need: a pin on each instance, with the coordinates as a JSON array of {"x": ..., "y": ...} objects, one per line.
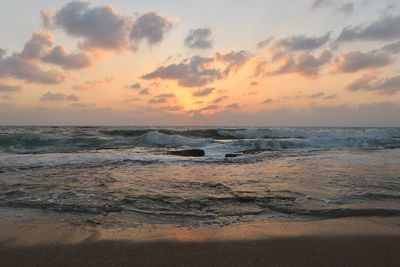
[{"x": 126, "y": 176}]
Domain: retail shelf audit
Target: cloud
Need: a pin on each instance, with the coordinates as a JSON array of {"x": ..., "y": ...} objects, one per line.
[
  {"x": 26, "y": 65},
  {"x": 385, "y": 29},
  {"x": 304, "y": 64},
  {"x": 298, "y": 95},
  {"x": 347, "y": 8},
  {"x": 59, "y": 56},
  {"x": 208, "y": 108},
  {"x": 101, "y": 27},
  {"x": 168, "y": 95},
  {"x": 199, "y": 39},
  {"x": 132, "y": 99},
  {"x": 385, "y": 86},
  {"x": 328, "y": 97},
  {"x": 151, "y": 28},
  {"x": 356, "y": 61},
  {"x": 203, "y": 92},
  {"x": 23, "y": 66},
  {"x": 17, "y": 67},
  {"x": 260, "y": 68},
  {"x": 317, "y": 95},
  {"x": 37, "y": 45},
  {"x": 192, "y": 72},
  {"x": 199, "y": 71},
  {"x": 173, "y": 108},
  {"x": 300, "y": 54},
  {"x": 46, "y": 16},
  {"x": 293, "y": 46},
  {"x": 58, "y": 97},
  {"x": 72, "y": 98},
  {"x": 136, "y": 86},
  {"x": 393, "y": 48},
  {"x": 84, "y": 106},
  {"x": 144, "y": 91},
  {"x": 219, "y": 99},
  {"x": 321, "y": 3},
  {"x": 10, "y": 88},
  {"x": 234, "y": 60},
  {"x": 265, "y": 42},
  {"x": 40, "y": 47},
  {"x": 254, "y": 83},
  {"x": 232, "y": 106},
  {"x": 94, "y": 83},
  {"x": 252, "y": 93},
  {"x": 105, "y": 27},
  {"x": 267, "y": 101},
  {"x": 301, "y": 95},
  {"x": 164, "y": 108},
  {"x": 302, "y": 42},
  {"x": 158, "y": 100}
]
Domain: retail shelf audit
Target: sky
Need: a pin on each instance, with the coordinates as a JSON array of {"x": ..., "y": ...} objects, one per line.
[{"x": 200, "y": 63}]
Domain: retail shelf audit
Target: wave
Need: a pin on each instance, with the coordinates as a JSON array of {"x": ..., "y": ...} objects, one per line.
[
  {"x": 213, "y": 211},
  {"x": 377, "y": 196},
  {"x": 303, "y": 133},
  {"x": 28, "y": 142},
  {"x": 220, "y": 203},
  {"x": 253, "y": 133},
  {"x": 81, "y": 208},
  {"x": 55, "y": 140},
  {"x": 337, "y": 212},
  {"x": 158, "y": 139},
  {"x": 194, "y": 133}
]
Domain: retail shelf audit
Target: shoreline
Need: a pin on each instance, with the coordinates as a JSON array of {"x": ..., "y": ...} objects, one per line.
[{"x": 370, "y": 241}]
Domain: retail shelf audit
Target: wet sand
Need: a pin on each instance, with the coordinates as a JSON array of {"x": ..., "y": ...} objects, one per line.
[{"x": 342, "y": 242}]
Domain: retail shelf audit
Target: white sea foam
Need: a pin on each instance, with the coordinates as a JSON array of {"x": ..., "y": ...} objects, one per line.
[{"x": 154, "y": 138}]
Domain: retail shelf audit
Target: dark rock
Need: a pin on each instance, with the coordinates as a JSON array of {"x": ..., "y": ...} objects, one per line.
[
  {"x": 255, "y": 151},
  {"x": 92, "y": 222},
  {"x": 233, "y": 155},
  {"x": 245, "y": 152},
  {"x": 188, "y": 153}
]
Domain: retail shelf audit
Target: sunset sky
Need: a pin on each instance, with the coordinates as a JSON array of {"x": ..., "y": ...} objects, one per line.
[{"x": 225, "y": 62}]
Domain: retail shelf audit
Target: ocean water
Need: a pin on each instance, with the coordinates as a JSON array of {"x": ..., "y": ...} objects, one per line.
[{"x": 125, "y": 176}]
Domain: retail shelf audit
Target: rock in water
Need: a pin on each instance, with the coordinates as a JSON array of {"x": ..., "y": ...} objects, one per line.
[
  {"x": 92, "y": 222},
  {"x": 233, "y": 155},
  {"x": 188, "y": 153},
  {"x": 245, "y": 152}
]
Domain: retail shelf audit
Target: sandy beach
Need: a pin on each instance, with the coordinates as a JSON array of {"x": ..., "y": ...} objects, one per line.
[{"x": 341, "y": 242}]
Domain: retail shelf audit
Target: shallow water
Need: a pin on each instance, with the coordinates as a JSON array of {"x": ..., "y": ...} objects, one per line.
[{"x": 123, "y": 176}]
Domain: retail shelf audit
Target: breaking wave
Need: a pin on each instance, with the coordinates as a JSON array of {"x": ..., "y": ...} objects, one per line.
[{"x": 72, "y": 139}]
